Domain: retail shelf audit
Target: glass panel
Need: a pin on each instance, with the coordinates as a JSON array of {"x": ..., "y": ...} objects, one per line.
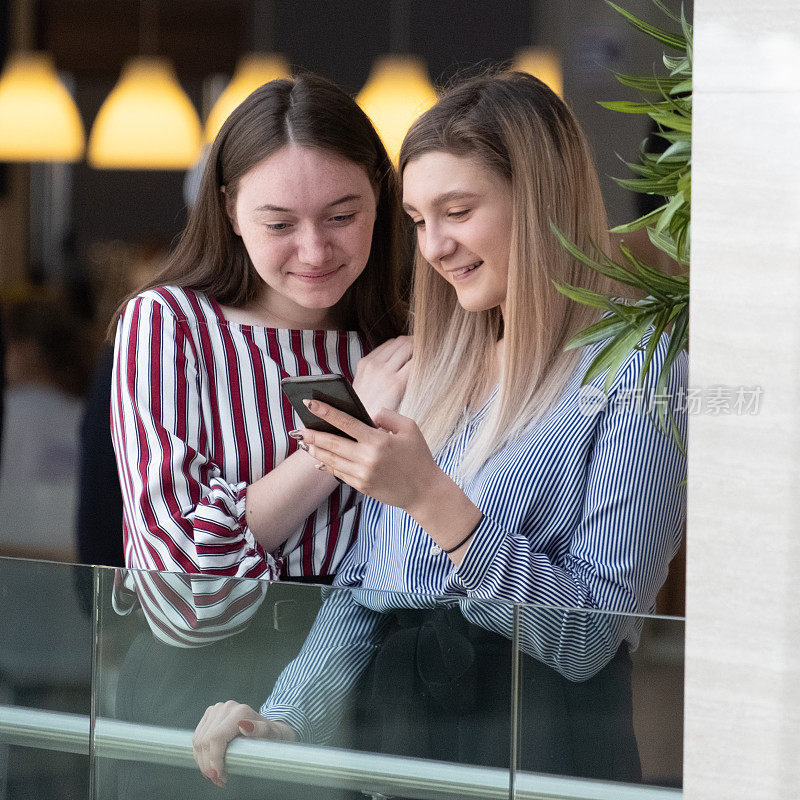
[
  {"x": 601, "y": 698},
  {"x": 45, "y": 679},
  {"x": 395, "y": 720}
]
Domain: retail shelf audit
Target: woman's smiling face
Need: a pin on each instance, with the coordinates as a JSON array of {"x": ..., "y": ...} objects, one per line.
[
  {"x": 306, "y": 219},
  {"x": 462, "y": 212}
]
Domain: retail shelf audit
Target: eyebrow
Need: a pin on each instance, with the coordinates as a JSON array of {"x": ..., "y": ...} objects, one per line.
[
  {"x": 446, "y": 197},
  {"x": 348, "y": 198}
]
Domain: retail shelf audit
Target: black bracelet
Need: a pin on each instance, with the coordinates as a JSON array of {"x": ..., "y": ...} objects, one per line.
[{"x": 466, "y": 538}]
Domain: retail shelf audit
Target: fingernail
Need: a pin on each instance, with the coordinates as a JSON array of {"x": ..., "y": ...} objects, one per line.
[
  {"x": 213, "y": 775},
  {"x": 296, "y": 435},
  {"x": 309, "y": 404},
  {"x": 303, "y": 446},
  {"x": 247, "y": 726},
  {"x": 321, "y": 467}
]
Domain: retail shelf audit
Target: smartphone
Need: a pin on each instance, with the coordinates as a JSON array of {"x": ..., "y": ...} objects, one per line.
[{"x": 335, "y": 390}]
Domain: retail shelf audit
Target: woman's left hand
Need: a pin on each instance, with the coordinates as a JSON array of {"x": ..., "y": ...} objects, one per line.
[{"x": 391, "y": 463}]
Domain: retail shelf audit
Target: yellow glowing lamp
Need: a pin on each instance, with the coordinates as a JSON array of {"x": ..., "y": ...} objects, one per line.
[
  {"x": 147, "y": 122},
  {"x": 38, "y": 117},
  {"x": 544, "y": 64},
  {"x": 397, "y": 92},
  {"x": 252, "y": 71}
]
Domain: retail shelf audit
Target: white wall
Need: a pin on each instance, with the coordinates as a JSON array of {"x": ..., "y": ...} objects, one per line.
[{"x": 742, "y": 735}]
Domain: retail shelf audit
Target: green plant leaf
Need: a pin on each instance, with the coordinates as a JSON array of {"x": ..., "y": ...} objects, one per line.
[
  {"x": 669, "y": 119},
  {"x": 671, "y": 40},
  {"x": 585, "y": 297},
  {"x": 680, "y": 149},
  {"x": 641, "y": 222},
  {"x": 644, "y": 84},
  {"x": 605, "y": 328},
  {"x": 627, "y": 107}
]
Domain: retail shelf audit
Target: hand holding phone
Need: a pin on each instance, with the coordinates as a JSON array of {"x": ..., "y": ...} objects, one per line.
[{"x": 335, "y": 390}]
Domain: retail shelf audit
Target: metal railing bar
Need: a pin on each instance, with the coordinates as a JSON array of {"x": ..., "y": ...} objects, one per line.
[{"x": 298, "y": 763}]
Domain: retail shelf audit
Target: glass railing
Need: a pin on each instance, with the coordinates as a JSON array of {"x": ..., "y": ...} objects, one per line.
[{"x": 105, "y": 674}]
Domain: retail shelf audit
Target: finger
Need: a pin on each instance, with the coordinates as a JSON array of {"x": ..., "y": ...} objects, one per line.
[
  {"x": 259, "y": 729},
  {"x": 200, "y": 742},
  {"x": 330, "y": 442},
  {"x": 405, "y": 370},
  {"x": 401, "y": 354},
  {"x": 344, "y": 422},
  {"x": 332, "y": 462},
  {"x": 392, "y": 421}
]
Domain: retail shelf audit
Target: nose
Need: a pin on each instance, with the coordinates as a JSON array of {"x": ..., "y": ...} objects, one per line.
[
  {"x": 314, "y": 247},
  {"x": 435, "y": 244}
]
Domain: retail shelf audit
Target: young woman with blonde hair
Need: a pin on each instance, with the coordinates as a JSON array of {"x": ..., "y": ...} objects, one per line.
[{"x": 496, "y": 480}]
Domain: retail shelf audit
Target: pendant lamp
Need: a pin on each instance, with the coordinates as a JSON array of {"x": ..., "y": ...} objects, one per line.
[
  {"x": 544, "y": 64},
  {"x": 397, "y": 92},
  {"x": 147, "y": 122},
  {"x": 252, "y": 71},
  {"x": 38, "y": 117}
]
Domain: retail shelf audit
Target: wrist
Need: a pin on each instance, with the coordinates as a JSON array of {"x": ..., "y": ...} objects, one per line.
[{"x": 445, "y": 513}]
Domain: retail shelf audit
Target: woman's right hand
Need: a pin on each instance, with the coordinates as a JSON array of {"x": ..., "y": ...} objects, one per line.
[
  {"x": 382, "y": 375},
  {"x": 221, "y": 724}
]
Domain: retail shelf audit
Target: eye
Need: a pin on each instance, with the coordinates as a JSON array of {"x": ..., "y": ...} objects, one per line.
[
  {"x": 278, "y": 227},
  {"x": 418, "y": 223},
  {"x": 458, "y": 214},
  {"x": 343, "y": 219}
]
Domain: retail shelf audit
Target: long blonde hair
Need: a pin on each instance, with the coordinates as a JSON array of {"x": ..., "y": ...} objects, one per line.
[{"x": 513, "y": 124}]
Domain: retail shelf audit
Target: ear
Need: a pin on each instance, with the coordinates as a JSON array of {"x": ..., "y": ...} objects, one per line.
[{"x": 230, "y": 210}]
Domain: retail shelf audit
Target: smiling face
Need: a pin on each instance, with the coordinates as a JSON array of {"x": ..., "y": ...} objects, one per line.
[
  {"x": 305, "y": 218},
  {"x": 462, "y": 212}
]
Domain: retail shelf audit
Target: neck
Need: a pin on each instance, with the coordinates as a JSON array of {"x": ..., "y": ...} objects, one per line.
[{"x": 277, "y": 312}]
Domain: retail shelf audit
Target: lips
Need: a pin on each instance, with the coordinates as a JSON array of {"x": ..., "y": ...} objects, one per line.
[
  {"x": 455, "y": 274},
  {"x": 316, "y": 277}
]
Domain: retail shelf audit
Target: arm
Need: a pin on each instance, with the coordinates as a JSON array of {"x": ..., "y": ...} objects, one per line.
[
  {"x": 311, "y": 693},
  {"x": 180, "y": 514},
  {"x": 627, "y": 532}
]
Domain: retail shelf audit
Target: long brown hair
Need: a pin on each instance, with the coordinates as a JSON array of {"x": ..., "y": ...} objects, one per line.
[
  {"x": 312, "y": 112},
  {"x": 515, "y": 126}
]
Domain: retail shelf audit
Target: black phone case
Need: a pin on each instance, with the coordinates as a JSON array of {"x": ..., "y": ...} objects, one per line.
[{"x": 321, "y": 387}]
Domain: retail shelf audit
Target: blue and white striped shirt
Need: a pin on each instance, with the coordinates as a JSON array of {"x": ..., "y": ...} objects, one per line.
[{"x": 584, "y": 511}]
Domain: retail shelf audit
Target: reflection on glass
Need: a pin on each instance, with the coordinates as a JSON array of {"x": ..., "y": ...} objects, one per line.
[
  {"x": 45, "y": 670},
  {"x": 590, "y": 711},
  {"x": 405, "y": 695}
]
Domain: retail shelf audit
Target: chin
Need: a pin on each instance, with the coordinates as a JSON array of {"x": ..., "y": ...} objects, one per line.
[{"x": 477, "y": 304}]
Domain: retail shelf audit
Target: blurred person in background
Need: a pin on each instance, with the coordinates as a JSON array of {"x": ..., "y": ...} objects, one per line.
[{"x": 47, "y": 360}]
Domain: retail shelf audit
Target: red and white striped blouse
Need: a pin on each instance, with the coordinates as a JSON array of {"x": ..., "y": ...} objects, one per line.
[{"x": 197, "y": 415}]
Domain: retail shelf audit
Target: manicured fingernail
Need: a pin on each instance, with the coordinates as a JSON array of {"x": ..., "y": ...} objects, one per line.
[
  {"x": 303, "y": 446},
  {"x": 296, "y": 435},
  {"x": 247, "y": 726},
  {"x": 213, "y": 775},
  {"x": 309, "y": 404}
]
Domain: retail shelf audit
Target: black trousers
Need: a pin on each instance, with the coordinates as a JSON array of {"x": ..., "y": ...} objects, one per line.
[{"x": 440, "y": 688}]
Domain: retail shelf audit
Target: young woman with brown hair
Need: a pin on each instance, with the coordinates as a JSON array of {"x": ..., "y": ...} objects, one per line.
[
  {"x": 294, "y": 261},
  {"x": 496, "y": 481}
]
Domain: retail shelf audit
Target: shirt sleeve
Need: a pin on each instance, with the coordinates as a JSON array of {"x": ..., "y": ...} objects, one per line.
[
  {"x": 312, "y": 692},
  {"x": 181, "y": 515},
  {"x": 628, "y": 530}
]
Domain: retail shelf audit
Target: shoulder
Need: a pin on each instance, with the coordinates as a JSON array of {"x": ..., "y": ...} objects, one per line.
[{"x": 182, "y": 305}]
